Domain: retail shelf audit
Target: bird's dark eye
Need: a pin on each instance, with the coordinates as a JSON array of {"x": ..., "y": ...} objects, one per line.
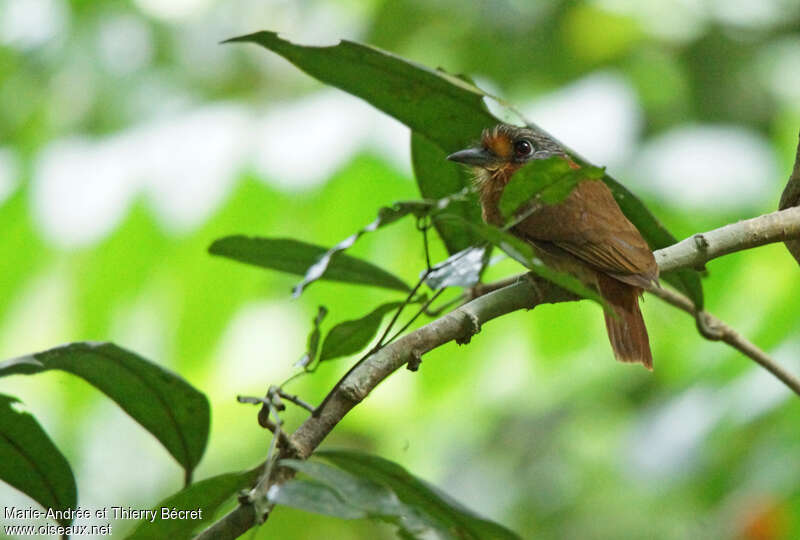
[{"x": 523, "y": 148}]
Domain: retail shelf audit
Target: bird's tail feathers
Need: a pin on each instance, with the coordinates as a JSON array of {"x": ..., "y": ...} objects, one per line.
[{"x": 626, "y": 329}]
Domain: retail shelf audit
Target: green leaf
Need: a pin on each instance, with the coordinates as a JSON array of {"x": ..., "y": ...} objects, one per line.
[
  {"x": 349, "y": 337},
  {"x": 366, "y": 486},
  {"x": 324, "y": 262},
  {"x": 167, "y": 406},
  {"x": 312, "y": 344},
  {"x": 30, "y": 462},
  {"x": 551, "y": 180},
  {"x": 386, "y": 216},
  {"x": 419, "y": 505},
  {"x": 529, "y": 181},
  {"x": 315, "y": 497},
  {"x": 445, "y": 108},
  {"x": 364, "y": 495},
  {"x": 437, "y": 178},
  {"x": 449, "y": 111},
  {"x": 207, "y": 496},
  {"x": 523, "y": 253},
  {"x": 296, "y": 257}
]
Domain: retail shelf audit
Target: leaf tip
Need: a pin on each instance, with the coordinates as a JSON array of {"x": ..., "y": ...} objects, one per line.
[{"x": 255, "y": 37}]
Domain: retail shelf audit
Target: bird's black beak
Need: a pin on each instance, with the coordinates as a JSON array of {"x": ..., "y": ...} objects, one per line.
[{"x": 479, "y": 157}]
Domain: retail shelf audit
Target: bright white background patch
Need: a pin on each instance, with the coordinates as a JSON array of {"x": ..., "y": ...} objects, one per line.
[
  {"x": 26, "y": 24},
  {"x": 598, "y": 117},
  {"x": 261, "y": 341},
  {"x": 779, "y": 64},
  {"x": 299, "y": 144},
  {"x": 693, "y": 165},
  {"x": 81, "y": 189},
  {"x": 189, "y": 163},
  {"x": 665, "y": 441},
  {"x": 186, "y": 163},
  {"x": 173, "y": 10},
  {"x": 124, "y": 44}
]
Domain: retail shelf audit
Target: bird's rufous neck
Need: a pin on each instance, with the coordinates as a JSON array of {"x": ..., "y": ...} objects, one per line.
[{"x": 490, "y": 189}]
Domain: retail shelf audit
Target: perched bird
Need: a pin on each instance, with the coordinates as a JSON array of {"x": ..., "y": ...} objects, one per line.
[{"x": 586, "y": 234}]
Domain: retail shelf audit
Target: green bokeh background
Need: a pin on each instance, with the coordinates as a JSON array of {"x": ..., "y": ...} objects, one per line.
[{"x": 532, "y": 424}]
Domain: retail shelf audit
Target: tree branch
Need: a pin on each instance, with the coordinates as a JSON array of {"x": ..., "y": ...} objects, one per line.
[
  {"x": 459, "y": 325},
  {"x": 462, "y": 323},
  {"x": 696, "y": 250},
  {"x": 714, "y": 329}
]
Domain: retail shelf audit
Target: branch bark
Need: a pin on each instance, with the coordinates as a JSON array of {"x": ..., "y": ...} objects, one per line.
[
  {"x": 462, "y": 323},
  {"x": 459, "y": 325},
  {"x": 714, "y": 329},
  {"x": 696, "y": 250}
]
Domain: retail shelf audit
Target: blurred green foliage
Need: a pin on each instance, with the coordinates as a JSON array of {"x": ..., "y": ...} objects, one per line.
[{"x": 532, "y": 424}]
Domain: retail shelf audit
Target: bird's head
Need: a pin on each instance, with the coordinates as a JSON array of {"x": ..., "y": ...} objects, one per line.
[{"x": 503, "y": 149}]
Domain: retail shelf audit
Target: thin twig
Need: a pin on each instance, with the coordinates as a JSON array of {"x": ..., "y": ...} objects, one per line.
[
  {"x": 714, "y": 329},
  {"x": 397, "y": 313},
  {"x": 254, "y": 506},
  {"x": 264, "y": 417},
  {"x": 416, "y": 315},
  {"x": 483, "y": 288},
  {"x": 424, "y": 228},
  {"x": 260, "y": 491},
  {"x": 292, "y": 377},
  {"x": 380, "y": 344},
  {"x": 296, "y": 400},
  {"x": 444, "y": 307}
]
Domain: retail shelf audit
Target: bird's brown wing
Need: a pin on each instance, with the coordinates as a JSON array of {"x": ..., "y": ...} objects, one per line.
[{"x": 590, "y": 225}]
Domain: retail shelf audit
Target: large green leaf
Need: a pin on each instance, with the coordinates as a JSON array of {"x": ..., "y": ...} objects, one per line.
[
  {"x": 316, "y": 497},
  {"x": 296, "y": 257},
  {"x": 447, "y": 110},
  {"x": 386, "y": 216},
  {"x": 349, "y": 337},
  {"x": 205, "y": 497},
  {"x": 437, "y": 177},
  {"x": 30, "y": 461},
  {"x": 361, "y": 485},
  {"x": 447, "y": 513},
  {"x": 167, "y": 406}
]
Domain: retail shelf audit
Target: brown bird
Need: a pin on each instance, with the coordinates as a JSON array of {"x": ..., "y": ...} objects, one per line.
[{"x": 586, "y": 234}]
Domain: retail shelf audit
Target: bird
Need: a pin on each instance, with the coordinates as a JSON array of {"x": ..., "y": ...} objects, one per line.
[{"x": 585, "y": 235}]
